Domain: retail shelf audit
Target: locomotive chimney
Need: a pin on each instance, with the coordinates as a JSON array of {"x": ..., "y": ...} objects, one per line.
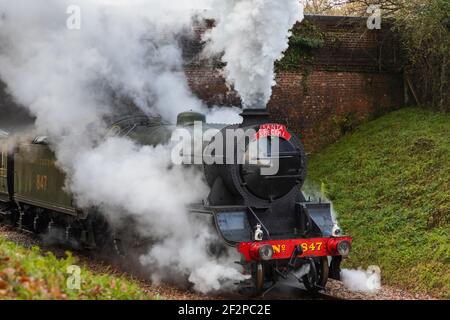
[{"x": 254, "y": 117}]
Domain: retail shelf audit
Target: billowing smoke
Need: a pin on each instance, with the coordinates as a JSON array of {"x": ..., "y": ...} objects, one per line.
[
  {"x": 121, "y": 176},
  {"x": 252, "y": 35},
  {"x": 362, "y": 280},
  {"x": 71, "y": 79},
  {"x": 74, "y": 63},
  {"x": 230, "y": 115},
  {"x": 126, "y": 47}
]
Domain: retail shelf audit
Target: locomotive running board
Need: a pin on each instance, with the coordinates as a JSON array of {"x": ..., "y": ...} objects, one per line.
[{"x": 200, "y": 208}]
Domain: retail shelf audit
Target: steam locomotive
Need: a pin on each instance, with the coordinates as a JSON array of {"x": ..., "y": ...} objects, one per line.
[{"x": 266, "y": 218}]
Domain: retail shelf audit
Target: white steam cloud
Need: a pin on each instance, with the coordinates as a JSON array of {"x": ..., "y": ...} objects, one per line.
[
  {"x": 252, "y": 35},
  {"x": 362, "y": 280},
  {"x": 128, "y": 50}
]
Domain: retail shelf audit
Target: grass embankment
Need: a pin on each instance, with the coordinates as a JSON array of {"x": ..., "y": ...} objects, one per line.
[
  {"x": 32, "y": 274},
  {"x": 390, "y": 184}
]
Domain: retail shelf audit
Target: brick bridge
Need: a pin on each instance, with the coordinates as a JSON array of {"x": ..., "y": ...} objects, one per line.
[{"x": 353, "y": 76}]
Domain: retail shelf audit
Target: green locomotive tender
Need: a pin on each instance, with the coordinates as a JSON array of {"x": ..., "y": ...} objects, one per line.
[
  {"x": 32, "y": 191},
  {"x": 33, "y": 196},
  {"x": 29, "y": 176}
]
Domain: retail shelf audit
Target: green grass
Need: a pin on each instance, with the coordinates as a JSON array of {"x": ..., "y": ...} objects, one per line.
[
  {"x": 390, "y": 185},
  {"x": 32, "y": 274}
]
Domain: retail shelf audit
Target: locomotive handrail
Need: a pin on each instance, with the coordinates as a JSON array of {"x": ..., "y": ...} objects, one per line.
[
  {"x": 130, "y": 130},
  {"x": 272, "y": 158},
  {"x": 282, "y": 155},
  {"x": 283, "y": 177}
]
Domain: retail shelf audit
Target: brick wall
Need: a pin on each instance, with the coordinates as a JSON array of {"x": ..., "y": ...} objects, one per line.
[{"x": 357, "y": 79}]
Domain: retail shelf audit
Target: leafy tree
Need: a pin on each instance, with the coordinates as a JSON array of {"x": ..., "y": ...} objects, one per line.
[
  {"x": 424, "y": 26},
  {"x": 424, "y": 29},
  {"x": 330, "y": 7}
]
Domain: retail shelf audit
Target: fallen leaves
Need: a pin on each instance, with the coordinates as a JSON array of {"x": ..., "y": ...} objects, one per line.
[
  {"x": 97, "y": 290},
  {"x": 9, "y": 272},
  {"x": 27, "y": 274},
  {"x": 57, "y": 294},
  {"x": 3, "y": 284}
]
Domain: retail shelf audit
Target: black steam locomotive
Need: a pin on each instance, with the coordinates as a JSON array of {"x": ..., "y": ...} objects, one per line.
[{"x": 276, "y": 230}]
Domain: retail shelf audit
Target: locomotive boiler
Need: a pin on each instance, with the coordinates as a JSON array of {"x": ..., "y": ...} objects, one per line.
[{"x": 277, "y": 231}]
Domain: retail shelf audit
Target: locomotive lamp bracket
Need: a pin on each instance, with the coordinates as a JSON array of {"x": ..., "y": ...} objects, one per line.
[
  {"x": 336, "y": 232},
  {"x": 259, "y": 233}
]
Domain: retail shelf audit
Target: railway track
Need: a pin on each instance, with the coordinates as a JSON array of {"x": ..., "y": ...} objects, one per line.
[
  {"x": 282, "y": 291},
  {"x": 293, "y": 291}
]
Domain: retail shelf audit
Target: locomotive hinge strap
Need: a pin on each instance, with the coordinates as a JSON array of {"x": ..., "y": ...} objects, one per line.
[{"x": 295, "y": 254}]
